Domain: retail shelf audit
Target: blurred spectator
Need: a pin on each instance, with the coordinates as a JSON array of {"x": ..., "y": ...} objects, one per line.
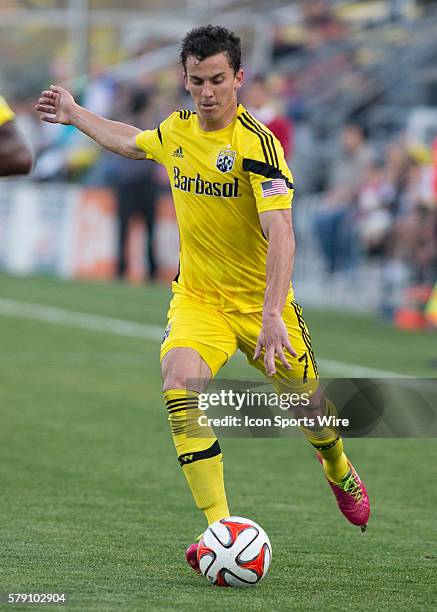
[
  {"x": 136, "y": 187},
  {"x": 414, "y": 232},
  {"x": 99, "y": 93},
  {"x": 135, "y": 182},
  {"x": 396, "y": 169},
  {"x": 320, "y": 25},
  {"x": 264, "y": 107},
  {"x": 334, "y": 222},
  {"x": 15, "y": 155},
  {"x": 285, "y": 41},
  {"x": 373, "y": 210},
  {"x": 321, "y": 21}
]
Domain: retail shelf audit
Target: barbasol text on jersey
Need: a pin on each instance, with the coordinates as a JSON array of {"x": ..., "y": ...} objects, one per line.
[{"x": 200, "y": 186}]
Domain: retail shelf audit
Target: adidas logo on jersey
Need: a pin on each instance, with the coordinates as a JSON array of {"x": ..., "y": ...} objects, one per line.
[{"x": 178, "y": 153}]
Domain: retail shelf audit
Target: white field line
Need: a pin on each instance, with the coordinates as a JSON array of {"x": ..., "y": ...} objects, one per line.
[
  {"x": 70, "y": 318},
  {"x": 119, "y": 327}
]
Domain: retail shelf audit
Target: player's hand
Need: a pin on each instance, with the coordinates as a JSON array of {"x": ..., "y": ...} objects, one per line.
[
  {"x": 273, "y": 338},
  {"x": 56, "y": 105}
]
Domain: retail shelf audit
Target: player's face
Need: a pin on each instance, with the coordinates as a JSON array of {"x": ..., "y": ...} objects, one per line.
[{"x": 213, "y": 86}]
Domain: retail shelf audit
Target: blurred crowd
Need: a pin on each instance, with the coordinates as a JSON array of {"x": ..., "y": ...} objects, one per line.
[{"x": 379, "y": 204}]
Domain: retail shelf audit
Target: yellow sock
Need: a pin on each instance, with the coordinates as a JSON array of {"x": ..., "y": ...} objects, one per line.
[
  {"x": 334, "y": 459},
  {"x": 198, "y": 453},
  {"x": 330, "y": 446}
]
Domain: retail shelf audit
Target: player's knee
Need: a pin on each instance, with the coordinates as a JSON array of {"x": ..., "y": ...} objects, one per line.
[
  {"x": 183, "y": 368},
  {"x": 172, "y": 372},
  {"x": 173, "y": 380},
  {"x": 173, "y": 377}
]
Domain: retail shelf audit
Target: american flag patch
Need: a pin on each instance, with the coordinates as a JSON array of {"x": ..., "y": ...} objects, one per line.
[{"x": 274, "y": 187}]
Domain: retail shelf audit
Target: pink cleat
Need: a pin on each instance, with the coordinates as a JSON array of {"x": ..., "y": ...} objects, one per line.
[
  {"x": 191, "y": 557},
  {"x": 352, "y": 497}
]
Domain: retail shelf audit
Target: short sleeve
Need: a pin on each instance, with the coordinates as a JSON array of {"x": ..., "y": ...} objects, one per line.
[
  {"x": 270, "y": 177},
  {"x": 6, "y": 113},
  {"x": 152, "y": 141}
]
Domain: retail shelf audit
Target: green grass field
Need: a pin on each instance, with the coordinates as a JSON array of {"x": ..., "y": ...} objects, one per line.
[{"x": 93, "y": 503}]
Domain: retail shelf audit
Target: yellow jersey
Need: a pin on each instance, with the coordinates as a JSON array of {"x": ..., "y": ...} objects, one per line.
[
  {"x": 6, "y": 113},
  {"x": 220, "y": 183}
]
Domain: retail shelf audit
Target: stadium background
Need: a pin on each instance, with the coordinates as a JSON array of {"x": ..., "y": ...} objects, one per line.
[{"x": 84, "y": 435}]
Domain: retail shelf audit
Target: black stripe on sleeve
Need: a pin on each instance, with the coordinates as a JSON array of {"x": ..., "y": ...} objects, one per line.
[
  {"x": 176, "y": 278},
  {"x": 268, "y": 134},
  {"x": 261, "y": 135},
  {"x": 259, "y": 167},
  {"x": 269, "y": 138},
  {"x": 263, "y": 146},
  {"x": 212, "y": 451},
  {"x": 159, "y": 135}
]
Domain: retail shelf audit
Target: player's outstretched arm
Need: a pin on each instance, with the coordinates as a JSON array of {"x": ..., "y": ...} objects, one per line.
[
  {"x": 273, "y": 337},
  {"x": 57, "y": 105}
]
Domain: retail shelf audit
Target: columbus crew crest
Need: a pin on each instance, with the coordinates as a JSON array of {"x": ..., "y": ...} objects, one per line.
[{"x": 225, "y": 160}]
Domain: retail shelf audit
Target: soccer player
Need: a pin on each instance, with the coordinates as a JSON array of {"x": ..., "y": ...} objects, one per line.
[
  {"x": 15, "y": 157},
  {"x": 232, "y": 191}
]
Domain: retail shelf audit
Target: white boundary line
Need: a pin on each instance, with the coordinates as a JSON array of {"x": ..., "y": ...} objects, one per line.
[
  {"x": 70, "y": 318},
  {"x": 119, "y": 327}
]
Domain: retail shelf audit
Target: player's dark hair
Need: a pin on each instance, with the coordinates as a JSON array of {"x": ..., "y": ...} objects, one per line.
[{"x": 209, "y": 40}]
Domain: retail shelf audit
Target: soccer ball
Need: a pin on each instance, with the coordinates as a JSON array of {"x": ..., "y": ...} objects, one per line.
[{"x": 234, "y": 552}]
